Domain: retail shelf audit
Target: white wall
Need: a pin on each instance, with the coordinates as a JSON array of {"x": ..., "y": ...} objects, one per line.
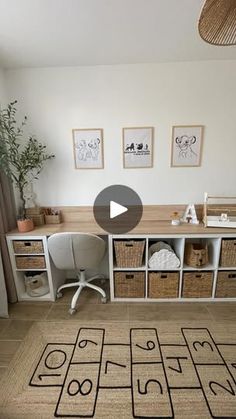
[
  {"x": 2, "y": 88},
  {"x": 111, "y": 97}
]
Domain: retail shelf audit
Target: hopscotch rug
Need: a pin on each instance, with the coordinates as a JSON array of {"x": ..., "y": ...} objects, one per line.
[{"x": 122, "y": 370}]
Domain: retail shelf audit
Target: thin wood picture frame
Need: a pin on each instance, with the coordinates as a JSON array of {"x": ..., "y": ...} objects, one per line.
[
  {"x": 137, "y": 147},
  {"x": 186, "y": 145},
  {"x": 88, "y": 148}
]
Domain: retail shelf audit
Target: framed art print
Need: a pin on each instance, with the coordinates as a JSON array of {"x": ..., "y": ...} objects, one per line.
[
  {"x": 138, "y": 147},
  {"x": 88, "y": 148},
  {"x": 186, "y": 147}
]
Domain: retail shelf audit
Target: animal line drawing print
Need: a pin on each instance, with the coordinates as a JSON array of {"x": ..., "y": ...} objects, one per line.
[
  {"x": 88, "y": 148},
  {"x": 138, "y": 147},
  {"x": 186, "y": 145}
]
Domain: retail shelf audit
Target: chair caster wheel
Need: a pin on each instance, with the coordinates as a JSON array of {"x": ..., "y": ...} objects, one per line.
[
  {"x": 104, "y": 300},
  {"x": 72, "y": 311},
  {"x": 59, "y": 294}
]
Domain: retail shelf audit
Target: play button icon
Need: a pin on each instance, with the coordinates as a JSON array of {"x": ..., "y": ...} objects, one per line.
[{"x": 117, "y": 209}]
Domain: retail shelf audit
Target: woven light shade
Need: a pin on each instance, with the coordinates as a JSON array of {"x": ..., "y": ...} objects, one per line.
[{"x": 217, "y": 23}]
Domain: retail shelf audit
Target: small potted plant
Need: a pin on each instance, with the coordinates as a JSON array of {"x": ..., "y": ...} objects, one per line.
[{"x": 21, "y": 158}]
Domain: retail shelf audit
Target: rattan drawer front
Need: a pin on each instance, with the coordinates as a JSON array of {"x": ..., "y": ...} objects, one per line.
[
  {"x": 197, "y": 284},
  {"x": 129, "y": 253},
  {"x": 28, "y": 246},
  {"x": 226, "y": 284},
  {"x": 30, "y": 262},
  {"x": 129, "y": 284},
  {"x": 228, "y": 252},
  {"x": 163, "y": 284}
]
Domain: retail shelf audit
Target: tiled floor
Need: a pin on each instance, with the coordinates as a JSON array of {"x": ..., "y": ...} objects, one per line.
[{"x": 23, "y": 315}]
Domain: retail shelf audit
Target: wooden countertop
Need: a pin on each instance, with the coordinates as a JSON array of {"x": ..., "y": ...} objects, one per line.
[
  {"x": 156, "y": 219},
  {"x": 145, "y": 227}
]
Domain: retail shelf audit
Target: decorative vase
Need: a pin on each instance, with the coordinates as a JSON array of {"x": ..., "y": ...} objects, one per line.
[{"x": 25, "y": 225}]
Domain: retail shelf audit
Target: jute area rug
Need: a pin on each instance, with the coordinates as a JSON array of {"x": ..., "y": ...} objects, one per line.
[{"x": 122, "y": 370}]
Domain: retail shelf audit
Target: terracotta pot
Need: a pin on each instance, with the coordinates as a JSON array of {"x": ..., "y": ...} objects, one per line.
[{"x": 25, "y": 225}]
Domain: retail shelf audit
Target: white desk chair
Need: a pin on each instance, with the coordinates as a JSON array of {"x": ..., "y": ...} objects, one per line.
[{"x": 77, "y": 251}]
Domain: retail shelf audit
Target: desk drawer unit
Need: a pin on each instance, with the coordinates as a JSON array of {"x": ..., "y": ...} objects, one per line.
[
  {"x": 197, "y": 284},
  {"x": 129, "y": 284},
  {"x": 163, "y": 284},
  {"x": 28, "y": 246},
  {"x": 30, "y": 262},
  {"x": 226, "y": 284}
]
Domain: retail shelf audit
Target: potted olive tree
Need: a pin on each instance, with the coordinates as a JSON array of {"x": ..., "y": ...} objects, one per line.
[{"x": 21, "y": 158}]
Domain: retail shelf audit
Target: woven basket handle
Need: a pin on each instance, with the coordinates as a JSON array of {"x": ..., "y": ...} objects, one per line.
[{"x": 129, "y": 276}]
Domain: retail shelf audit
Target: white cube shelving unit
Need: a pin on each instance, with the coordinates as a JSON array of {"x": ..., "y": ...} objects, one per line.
[
  {"x": 177, "y": 242},
  {"x": 54, "y": 276}
]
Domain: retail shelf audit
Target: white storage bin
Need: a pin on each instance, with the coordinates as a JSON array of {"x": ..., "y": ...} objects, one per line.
[{"x": 36, "y": 285}]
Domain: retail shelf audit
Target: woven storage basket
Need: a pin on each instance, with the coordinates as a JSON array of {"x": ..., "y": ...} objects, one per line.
[
  {"x": 33, "y": 211},
  {"x": 196, "y": 254},
  {"x": 30, "y": 262},
  {"x": 28, "y": 246},
  {"x": 197, "y": 284},
  {"x": 163, "y": 284},
  {"x": 129, "y": 284},
  {"x": 53, "y": 219},
  {"x": 38, "y": 220},
  {"x": 228, "y": 252},
  {"x": 129, "y": 253},
  {"x": 226, "y": 284}
]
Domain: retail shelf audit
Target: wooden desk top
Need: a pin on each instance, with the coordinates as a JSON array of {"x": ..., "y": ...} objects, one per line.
[
  {"x": 156, "y": 219},
  {"x": 145, "y": 227}
]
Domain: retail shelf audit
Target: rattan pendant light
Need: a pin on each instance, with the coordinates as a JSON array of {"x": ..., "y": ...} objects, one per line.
[{"x": 217, "y": 23}]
